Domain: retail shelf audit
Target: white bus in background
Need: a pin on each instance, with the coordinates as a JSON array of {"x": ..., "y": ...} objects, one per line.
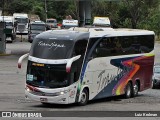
[
  {"x": 68, "y": 66},
  {"x": 66, "y": 24},
  {"x": 102, "y": 21},
  {"x": 21, "y": 21},
  {"x": 10, "y": 29}
]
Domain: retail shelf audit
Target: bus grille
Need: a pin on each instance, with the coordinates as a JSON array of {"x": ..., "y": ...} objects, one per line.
[
  {"x": 43, "y": 93},
  {"x": 21, "y": 27}
]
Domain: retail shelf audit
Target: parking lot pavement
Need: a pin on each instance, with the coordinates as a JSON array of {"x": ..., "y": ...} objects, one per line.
[{"x": 12, "y": 85}]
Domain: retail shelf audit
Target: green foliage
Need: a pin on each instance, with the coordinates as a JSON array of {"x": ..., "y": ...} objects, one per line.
[
  {"x": 23, "y": 6},
  {"x": 143, "y": 14}
]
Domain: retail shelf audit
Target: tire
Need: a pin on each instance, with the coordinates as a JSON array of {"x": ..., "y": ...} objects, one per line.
[
  {"x": 153, "y": 86},
  {"x": 135, "y": 89},
  {"x": 84, "y": 97},
  {"x": 128, "y": 91}
]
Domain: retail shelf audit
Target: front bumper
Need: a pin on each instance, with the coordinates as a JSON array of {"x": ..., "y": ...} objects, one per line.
[
  {"x": 60, "y": 99},
  {"x": 21, "y": 33}
]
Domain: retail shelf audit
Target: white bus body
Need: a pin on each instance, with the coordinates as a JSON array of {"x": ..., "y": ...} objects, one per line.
[
  {"x": 22, "y": 21},
  {"x": 10, "y": 26},
  {"x": 96, "y": 68}
]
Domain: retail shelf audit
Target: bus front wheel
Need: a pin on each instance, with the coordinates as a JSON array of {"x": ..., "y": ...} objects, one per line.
[
  {"x": 128, "y": 90},
  {"x": 84, "y": 97}
]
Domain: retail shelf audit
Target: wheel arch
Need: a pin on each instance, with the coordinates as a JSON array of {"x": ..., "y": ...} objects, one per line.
[{"x": 87, "y": 88}]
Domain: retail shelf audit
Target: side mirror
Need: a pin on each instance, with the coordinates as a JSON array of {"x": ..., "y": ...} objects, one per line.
[{"x": 70, "y": 61}]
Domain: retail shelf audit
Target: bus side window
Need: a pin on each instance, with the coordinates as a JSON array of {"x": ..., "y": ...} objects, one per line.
[{"x": 104, "y": 48}]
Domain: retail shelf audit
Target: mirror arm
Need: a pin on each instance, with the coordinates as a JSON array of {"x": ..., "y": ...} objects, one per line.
[{"x": 70, "y": 61}]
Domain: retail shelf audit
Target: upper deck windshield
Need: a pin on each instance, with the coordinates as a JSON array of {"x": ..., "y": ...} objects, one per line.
[
  {"x": 52, "y": 49},
  {"x": 39, "y": 27}
]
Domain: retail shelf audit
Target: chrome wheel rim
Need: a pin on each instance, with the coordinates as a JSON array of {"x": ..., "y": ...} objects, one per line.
[
  {"x": 128, "y": 91},
  {"x": 135, "y": 89},
  {"x": 83, "y": 98}
]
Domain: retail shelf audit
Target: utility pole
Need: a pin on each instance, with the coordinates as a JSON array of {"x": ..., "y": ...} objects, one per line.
[
  {"x": 46, "y": 8},
  {"x": 2, "y": 34}
]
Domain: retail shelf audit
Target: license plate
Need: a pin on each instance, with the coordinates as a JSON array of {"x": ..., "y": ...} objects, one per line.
[{"x": 43, "y": 99}]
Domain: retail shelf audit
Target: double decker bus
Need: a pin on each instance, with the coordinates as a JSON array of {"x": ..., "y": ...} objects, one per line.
[{"x": 82, "y": 64}]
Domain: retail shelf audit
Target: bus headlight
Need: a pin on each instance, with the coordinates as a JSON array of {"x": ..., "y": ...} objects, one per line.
[
  {"x": 61, "y": 93},
  {"x": 28, "y": 90}
]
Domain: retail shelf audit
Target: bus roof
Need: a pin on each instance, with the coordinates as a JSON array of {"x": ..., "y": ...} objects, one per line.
[
  {"x": 102, "y": 31},
  {"x": 76, "y": 33},
  {"x": 63, "y": 34},
  {"x": 16, "y": 15}
]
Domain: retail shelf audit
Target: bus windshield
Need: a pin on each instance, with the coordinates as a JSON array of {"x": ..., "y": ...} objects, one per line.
[
  {"x": 38, "y": 27},
  {"x": 22, "y": 20},
  {"x": 52, "y": 49},
  {"x": 47, "y": 76}
]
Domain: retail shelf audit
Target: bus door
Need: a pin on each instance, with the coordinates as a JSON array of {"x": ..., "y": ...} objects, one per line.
[
  {"x": 99, "y": 65},
  {"x": 79, "y": 49}
]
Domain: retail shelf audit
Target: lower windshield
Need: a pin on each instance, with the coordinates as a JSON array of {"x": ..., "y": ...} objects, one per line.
[
  {"x": 47, "y": 76},
  {"x": 38, "y": 27}
]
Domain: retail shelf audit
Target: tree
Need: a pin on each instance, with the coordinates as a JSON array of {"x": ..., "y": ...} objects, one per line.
[
  {"x": 19, "y": 5},
  {"x": 138, "y": 9},
  {"x": 73, "y": 9}
]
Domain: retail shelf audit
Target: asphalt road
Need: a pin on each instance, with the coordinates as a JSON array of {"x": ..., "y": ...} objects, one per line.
[{"x": 12, "y": 82}]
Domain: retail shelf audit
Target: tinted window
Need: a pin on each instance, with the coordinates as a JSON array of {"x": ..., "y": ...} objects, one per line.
[
  {"x": 40, "y": 27},
  {"x": 122, "y": 45},
  {"x": 52, "y": 49},
  {"x": 22, "y": 20}
]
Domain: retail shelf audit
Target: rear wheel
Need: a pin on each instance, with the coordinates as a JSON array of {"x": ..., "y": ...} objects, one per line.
[
  {"x": 84, "y": 97},
  {"x": 128, "y": 90},
  {"x": 135, "y": 89}
]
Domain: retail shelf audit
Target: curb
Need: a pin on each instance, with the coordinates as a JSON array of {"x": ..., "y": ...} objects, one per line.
[{"x": 7, "y": 53}]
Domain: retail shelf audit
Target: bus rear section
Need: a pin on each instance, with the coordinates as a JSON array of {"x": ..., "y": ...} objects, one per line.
[
  {"x": 119, "y": 64},
  {"x": 66, "y": 66}
]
